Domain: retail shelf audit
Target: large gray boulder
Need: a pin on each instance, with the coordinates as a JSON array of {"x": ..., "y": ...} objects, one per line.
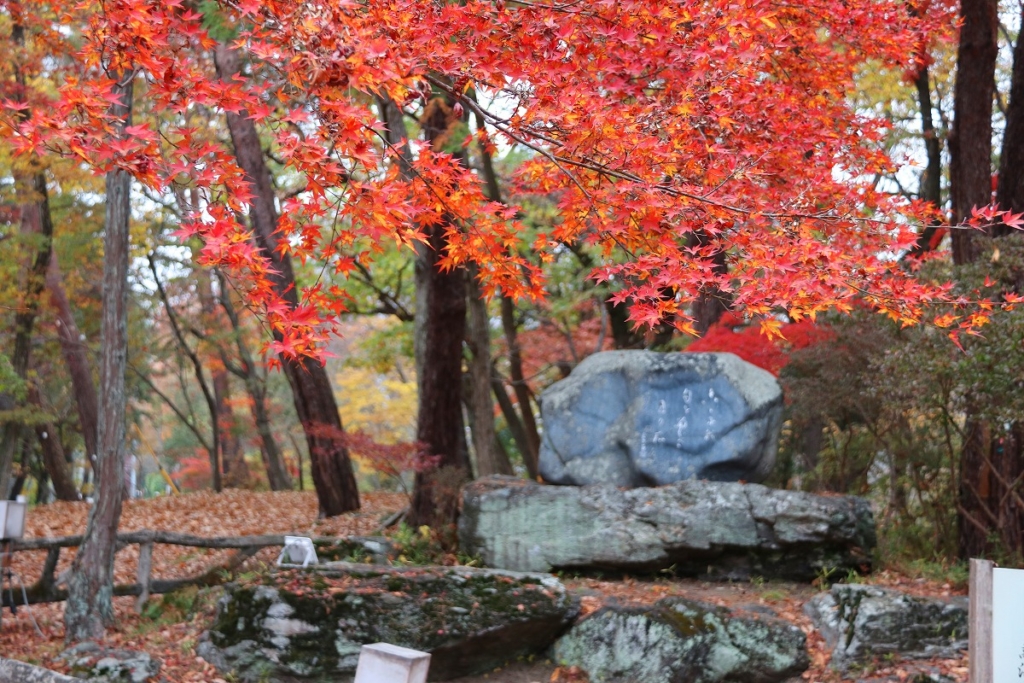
[
  {"x": 639, "y": 418},
  {"x": 860, "y": 622},
  {"x": 309, "y": 625},
  {"x": 714, "y": 529},
  {"x": 682, "y": 641}
]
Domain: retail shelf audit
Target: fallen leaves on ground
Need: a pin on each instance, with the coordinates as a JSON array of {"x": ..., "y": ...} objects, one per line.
[{"x": 230, "y": 513}]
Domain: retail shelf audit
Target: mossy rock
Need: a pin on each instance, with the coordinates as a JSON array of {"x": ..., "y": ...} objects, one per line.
[
  {"x": 310, "y": 624},
  {"x": 861, "y": 622},
  {"x": 682, "y": 641},
  {"x": 706, "y": 529}
]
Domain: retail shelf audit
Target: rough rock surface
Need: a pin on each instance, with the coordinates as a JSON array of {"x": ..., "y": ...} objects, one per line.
[
  {"x": 640, "y": 418},
  {"x": 682, "y": 641},
  {"x": 697, "y": 528},
  {"x": 860, "y": 622},
  {"x": 13, "y": 671},
  {"x": 99, "y": 664},
  {"x": 310, "y": 625}
]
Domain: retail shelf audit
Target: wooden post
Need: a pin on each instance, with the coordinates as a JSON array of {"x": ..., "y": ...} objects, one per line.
[
  {"x": 980, "y": 622},
  {"x": 145, "y": 569},
  {"x": 46, "y": 580}
]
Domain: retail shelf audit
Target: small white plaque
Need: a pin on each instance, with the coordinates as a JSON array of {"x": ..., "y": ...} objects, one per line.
[
  {"x": 384, "y": 663},
  {"x": 12, "y": 519},
  {"x": 1007, "y": 625},
  {"x": 297, "y": 550}
]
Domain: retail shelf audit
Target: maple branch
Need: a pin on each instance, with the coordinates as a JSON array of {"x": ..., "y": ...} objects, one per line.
[{"x": 389, "y": 303}]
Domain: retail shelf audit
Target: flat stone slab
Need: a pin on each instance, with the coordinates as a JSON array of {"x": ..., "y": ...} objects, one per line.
[
  {"x": 695, "y": 528},
  {"x": 13, "y": 671},
  {"x": 682, "y": 641},
  {"x": 861, "y": 622},
  {"x": 95, "y": 662},
  {"x": 640, "y": 418},
  {"x": 310, "y": 625}
]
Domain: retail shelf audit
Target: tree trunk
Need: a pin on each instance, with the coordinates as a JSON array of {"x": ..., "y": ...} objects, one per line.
[
  {"x": 56, "y": 462},
  {"x": 711, "y": 301},
  {"x": 439, "y": 423},
  {"x": 90, "y": 587},
  {"x": 931, "y": 180},
  {"x": 439, "y": 329},
  {"x": 489, "y": 460},
  {"x": 992, "y": 463},
  {"x": 333, "y": 477},
  {"x": 397, "y": 136},
  {"x": 236, "y": 470},
  {"x": 1010, "y": 191},
  {"x": 273, "y": 460},
  {"x": 76, "y": 357},
  {"x": 519, "y": 387},
  {"x": 970, "y": 141},
  {"x": 970, "y": 171},
  {"x": 524, "y": 430}
]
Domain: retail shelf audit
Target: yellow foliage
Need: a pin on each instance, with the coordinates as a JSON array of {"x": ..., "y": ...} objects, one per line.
[{"x": 380, "y": 404}]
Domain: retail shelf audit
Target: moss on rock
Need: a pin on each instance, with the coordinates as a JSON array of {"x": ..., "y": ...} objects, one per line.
[
  {"x": 309, "y": 625},
  {"x": 682, "y": 641}
]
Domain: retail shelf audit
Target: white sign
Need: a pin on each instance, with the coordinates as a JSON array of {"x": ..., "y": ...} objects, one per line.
[
  {"x": 1007, "y": 625},
  {"x": 297, "y": 550},
  {"x": 385, "y": 663},
  {"x": 12, "y": 519}
]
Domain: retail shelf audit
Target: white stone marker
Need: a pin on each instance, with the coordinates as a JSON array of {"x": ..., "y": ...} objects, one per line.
[{"x": 384, "y": 663}]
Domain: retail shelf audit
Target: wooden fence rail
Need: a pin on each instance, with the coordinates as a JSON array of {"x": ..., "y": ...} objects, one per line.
[{"x": 48, "y": 587}]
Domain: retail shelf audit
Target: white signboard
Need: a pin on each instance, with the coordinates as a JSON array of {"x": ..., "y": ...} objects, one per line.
[
  {"x": 386, "y": 663},
  {"x": 1007, "y": 625}
]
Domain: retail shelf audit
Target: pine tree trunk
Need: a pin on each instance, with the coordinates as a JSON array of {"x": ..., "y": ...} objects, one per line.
[
  {"x": 333, "y": 478},
  {"x": 90, "y": 587}
]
